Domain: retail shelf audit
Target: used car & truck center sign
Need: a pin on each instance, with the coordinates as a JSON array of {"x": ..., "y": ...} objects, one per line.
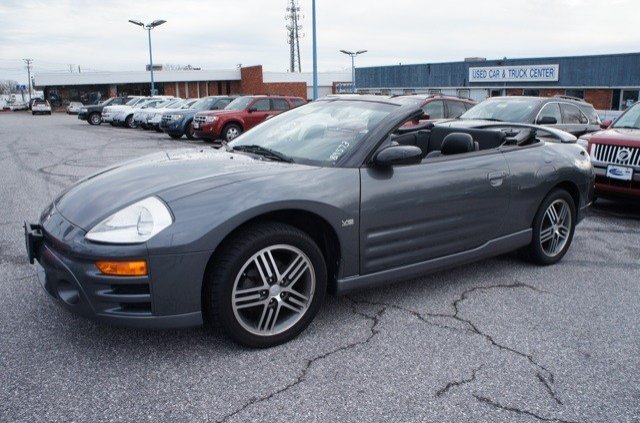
[{"x": 532, "y": 73}]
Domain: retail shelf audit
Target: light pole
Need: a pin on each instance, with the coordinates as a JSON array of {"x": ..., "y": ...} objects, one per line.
[
  {"x": 148, "y": 27},
  {"x": 353, "y": 66},
  {"x": 315, "y": 50}
]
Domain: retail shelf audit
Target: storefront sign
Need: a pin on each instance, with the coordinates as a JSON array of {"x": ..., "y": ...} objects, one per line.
[{"x": 529, "y": 73}]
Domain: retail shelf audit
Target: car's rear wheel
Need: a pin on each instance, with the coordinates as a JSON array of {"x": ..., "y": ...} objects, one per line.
[
  {"x": 175, "y": 136},
  {"x": 553, "y": 228},
  {"x": 231, "y": 131},
  {"x": 190, "y": 132},
  {"x": 266, "y": 285},
  {"x": 95, "y": 119}
]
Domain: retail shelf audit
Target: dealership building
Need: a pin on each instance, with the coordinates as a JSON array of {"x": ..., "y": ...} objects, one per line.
[
  {"x": 89, "y": 86},
  {"x": 609, "y": 82}
]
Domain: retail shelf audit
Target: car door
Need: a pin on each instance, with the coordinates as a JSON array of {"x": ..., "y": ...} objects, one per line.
[
  {"x": 439, "y": 207},
  {"x": 435, "y": 109},
  {"x": 257, "y": 112},
  {"x": 550, "y": 110},
  {"x": 455, "y": 109}
]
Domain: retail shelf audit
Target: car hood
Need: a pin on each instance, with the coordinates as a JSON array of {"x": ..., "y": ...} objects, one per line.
[
  {"x": 470, "y": 123},
  {"x": 169, "y": 175},
  {"x": 617, "y": 136},
  {"x": 219, "y": 112}
]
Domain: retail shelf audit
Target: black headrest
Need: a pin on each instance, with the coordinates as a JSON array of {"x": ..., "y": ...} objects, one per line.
[{"x": 456, "y": 143}]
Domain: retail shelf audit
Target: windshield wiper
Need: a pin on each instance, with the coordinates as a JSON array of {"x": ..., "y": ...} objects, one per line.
[
  {"x": 262, "y": 151},
  {"x": 626, "y": 127}
]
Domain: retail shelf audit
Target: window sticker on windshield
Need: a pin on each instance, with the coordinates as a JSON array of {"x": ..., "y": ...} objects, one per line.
[{"x": 344, "y": 146}]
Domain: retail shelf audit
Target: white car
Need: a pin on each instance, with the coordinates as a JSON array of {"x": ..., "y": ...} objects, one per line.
[
  {"x": 41, "y": 107},
  {"x": 140, "y": 117},
  {"x": 109, "y": 112},
  {"x": 74, "y": 107},
  {"x": 154, "y": 119}
]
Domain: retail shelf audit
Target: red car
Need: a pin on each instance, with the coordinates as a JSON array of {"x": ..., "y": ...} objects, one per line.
[
  {"x": 241, "y": 115},
  {"x": 437, "y": 106},
  {"x": 615, "y": 154}
]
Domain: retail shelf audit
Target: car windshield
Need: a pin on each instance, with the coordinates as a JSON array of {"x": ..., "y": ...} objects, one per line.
[
  {"x": 503, "y": 110},
  {"x": 169, "y": 103},
  {"x": 630, "y": 119},
  {"x": 319, "y": 133},
  {"x": 239, "y": 103},
  {"x": 108, "y": 101},
  {"x": 133, "y": 101},
  {"x": 204, "y": 104}
]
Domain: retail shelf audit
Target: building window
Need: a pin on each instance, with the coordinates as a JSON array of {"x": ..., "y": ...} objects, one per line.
[
  {"x": 629, "y": 98},
  {"x": 434, "y": 91},
  {"x": 531, "y": 92},
  {"x": 615, "y": 100},
  {"x": 495, "y": 93},
  {"x": 408, "y": 91},
  {"x": 575, "y": 93},
  {"x": 463, "y": 93}
]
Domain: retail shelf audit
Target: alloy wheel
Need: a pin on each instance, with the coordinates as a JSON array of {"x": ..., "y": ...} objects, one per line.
[
  {"x": 555, "y": 228},
  {"x": 273, "y": 290}
]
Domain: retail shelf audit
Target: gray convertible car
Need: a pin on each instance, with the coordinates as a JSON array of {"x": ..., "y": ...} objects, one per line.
[{"x": 332, "y": 196}]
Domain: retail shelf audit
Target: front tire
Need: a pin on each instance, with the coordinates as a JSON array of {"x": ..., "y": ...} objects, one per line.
[
  {"x": 129, "y": 123},
  {"x": 190, "y": 132},
  {"x": 175, "y": 136},
  {"x": 95, "y": 119},
  {"x": 266, "y": 285},
  {"x": 553, "y": 228},
  {"x": 231, "y": 131}
]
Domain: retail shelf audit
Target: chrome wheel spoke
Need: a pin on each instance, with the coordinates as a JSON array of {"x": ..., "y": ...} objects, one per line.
[
  {"x": 546, "y": 234},
  {"x": 265, "y": 318},
  {"x": 266, "y": 265},
  {"x": 248, "y": 298},
  {"x": 564, "y": 212},
  {"x": 296, "y": 269}
]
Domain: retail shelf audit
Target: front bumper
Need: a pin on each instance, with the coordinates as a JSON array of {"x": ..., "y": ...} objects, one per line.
[
  {"x": 83, "y": 115},
  {"x": 172, "y": 127},
  {"x": 71, "y": 278},
  {"x": 605, "y": 186},
  {"x": 208, "y": 130}
]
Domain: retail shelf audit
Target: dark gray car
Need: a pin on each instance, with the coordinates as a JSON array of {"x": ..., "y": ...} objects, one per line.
[
  {"x": 328, "y": 196},
  {"x": 565, "y": 113}
]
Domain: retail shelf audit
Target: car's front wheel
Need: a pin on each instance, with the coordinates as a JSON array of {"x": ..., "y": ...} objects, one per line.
[
  {"x": 265, "y": 285},
  {"x": 95, "y": 119},
  {"x": 190, "y": 132},
  {"x": 231, "y": 131},
  {"x": 129, "y": 123},
  {"x": 553, "y": 228}
]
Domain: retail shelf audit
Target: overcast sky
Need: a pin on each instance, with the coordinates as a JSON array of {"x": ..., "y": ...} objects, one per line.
[{"x": 220, "y": 34}]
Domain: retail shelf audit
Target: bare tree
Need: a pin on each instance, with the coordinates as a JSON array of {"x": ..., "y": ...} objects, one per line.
[{"x": 8, "y": 86}]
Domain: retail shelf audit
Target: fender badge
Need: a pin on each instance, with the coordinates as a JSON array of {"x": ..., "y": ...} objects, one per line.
[{"x": 348, "y": 222}]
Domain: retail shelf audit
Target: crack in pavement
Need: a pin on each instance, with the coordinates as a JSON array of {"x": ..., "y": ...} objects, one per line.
[
  {"x": 494, "y": 404},
  {"x": 303, "y": 373},
  {"x": 544, "y": 375},
  {"x": 450, "y": 385}
]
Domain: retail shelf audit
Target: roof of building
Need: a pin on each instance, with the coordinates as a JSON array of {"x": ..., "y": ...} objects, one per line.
[{"x": 132, "y": 77}]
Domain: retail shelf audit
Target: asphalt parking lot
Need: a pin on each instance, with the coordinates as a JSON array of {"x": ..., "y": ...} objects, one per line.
[{"x": 498, "y": 340}]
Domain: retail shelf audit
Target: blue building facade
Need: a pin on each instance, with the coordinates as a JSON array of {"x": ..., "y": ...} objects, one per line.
[{"x": 608, "y": 81}]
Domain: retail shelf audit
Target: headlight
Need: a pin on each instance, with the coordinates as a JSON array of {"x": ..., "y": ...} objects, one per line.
[
  {"x": 176, "y": 117},
  {"x": 133, "y": 224},
  {"x": 583, "y": 143},
  {"x": 210, "y": 118},
  {"x": 84, "y": 110}
]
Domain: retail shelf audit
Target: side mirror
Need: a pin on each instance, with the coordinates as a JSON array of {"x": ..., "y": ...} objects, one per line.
[
  {"x": 547, "y": 120},
  {"x": 606, "y": 123},
  {"x": 253, "y": 109},
  {"x": 398, "y": 155}
]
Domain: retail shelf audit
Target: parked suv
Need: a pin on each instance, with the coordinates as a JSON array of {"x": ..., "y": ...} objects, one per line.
[
  {"x": 437, "y": 107},
  {"x": 241, "y": 115},
  {"x": 93, "y": 114},
  {"x": 615, "y": 154},
  {"x": 179, "y": 122},
  {"x": 565, "y": 113}
]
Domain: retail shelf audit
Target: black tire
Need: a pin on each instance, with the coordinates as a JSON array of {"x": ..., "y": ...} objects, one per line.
[
  {"x": 536, "y": 251},
  {"x": 175, "y": 136},
  {"x": 231, "y": 268},
  {"x": 129, "y": 123},
  {"x": 94, "y": 119},
  {"x": 231, "y": 131},
  {"x": 33, "y": 113},
  {"x": 189, "y": 132}
]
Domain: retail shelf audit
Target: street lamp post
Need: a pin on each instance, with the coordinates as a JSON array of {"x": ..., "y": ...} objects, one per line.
[
  {"x": 353, "y": 55},
  {"x": 315, "y": 50},
  {"x": 148, "y": 27}
]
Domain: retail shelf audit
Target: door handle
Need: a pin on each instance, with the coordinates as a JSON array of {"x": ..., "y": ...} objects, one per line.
[{"x": 496, "y": 178}]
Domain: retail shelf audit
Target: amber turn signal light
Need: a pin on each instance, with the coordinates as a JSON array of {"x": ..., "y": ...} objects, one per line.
[{"x": 123, "y": 268}]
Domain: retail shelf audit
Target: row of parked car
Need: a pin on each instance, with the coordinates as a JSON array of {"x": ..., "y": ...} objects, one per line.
[{"x": 209, "y": 118}]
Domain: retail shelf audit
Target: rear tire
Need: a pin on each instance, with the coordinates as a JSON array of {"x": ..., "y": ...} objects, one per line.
[
  {"x": 175, "y": 136},
  {"x": 95, "y": 119},
  {"x": 266, "y": 284},
  {"x": 553, "y": 228},
  {"x": 129, "y": 123},
  {"x": 231, "y": 131}
]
